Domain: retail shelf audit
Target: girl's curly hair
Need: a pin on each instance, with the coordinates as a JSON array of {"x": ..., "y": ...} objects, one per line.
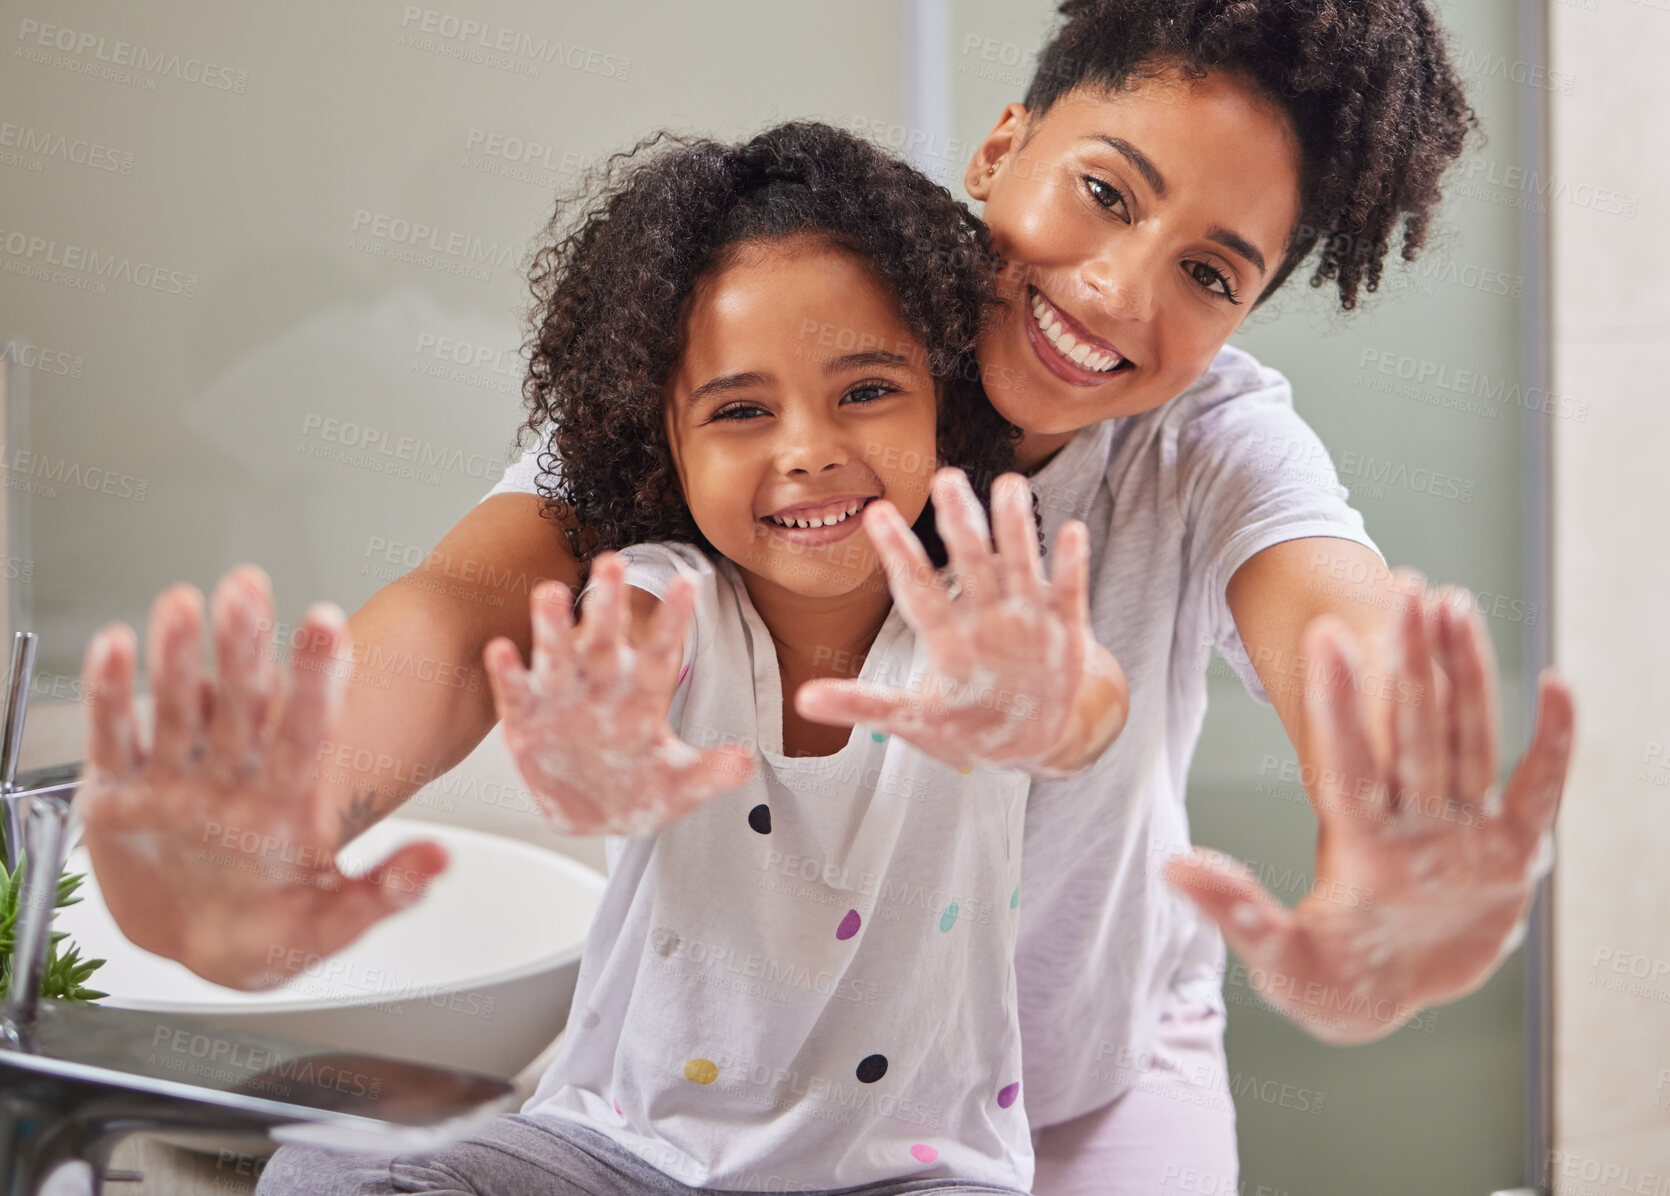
[
  {"x": 609, "y": 296},
  {"x": 1367, "y": 84}
]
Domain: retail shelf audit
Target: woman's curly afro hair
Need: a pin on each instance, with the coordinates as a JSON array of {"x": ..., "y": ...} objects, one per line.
[
  {"x": 610, "y": 292},
  {"x": 1367, "y": 84}
]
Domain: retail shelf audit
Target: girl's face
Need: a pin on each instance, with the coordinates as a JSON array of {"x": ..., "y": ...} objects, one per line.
[
  {"x": 1139, "y": 227},
  {"x": 800, "y": 397}
]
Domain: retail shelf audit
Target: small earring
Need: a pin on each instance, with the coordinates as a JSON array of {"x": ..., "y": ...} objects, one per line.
[{"x": 991, "y": 170}]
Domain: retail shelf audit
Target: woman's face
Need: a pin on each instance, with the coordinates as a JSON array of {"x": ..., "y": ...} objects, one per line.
[
  {"x": 800, "y": 396},
  {"x": 1139, "y": 228}
]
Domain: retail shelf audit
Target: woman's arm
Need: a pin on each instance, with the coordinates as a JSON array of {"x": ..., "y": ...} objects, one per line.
[
  {"x": 1388, "y": 691},
  {"x": 418, "y": 700}
]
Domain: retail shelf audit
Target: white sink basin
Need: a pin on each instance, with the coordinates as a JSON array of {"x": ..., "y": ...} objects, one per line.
[{"x": 479, "y": 974}]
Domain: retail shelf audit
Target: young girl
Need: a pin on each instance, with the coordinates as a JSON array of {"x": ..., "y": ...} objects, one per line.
[
  {"x": 1172, "y": 165},
  {"x": 807, "y": 983}
]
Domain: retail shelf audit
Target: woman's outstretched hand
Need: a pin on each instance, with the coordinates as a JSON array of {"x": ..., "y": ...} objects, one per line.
[
  {"x": 1007, "y": 657},
  {"x": 213, "y": 846},
  {"x": 1424, "y": 872},
  {"x": 587, "y": 724}
]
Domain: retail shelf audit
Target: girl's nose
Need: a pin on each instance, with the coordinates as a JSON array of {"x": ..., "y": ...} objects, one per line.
[{"x": 811, "y": 446}]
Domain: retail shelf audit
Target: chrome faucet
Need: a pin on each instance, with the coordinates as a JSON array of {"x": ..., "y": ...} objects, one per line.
[{"x": 56, "y": 782}]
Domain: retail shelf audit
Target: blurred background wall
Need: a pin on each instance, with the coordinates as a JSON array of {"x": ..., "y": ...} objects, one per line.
[{"x": 261, "y": 291}]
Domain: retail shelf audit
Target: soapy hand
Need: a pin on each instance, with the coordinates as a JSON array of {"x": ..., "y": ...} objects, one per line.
[
  {"x": 587, "y": 724},
  {"x": 213, "y": 846},
  {"x": 1007, "y": 656},
  {"x": 1424, "y": 872}
]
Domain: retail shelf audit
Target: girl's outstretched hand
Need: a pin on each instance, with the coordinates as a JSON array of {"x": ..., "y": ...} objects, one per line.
[
  {"x": 587, "y": 724},
  {"x": 1007, "y": 656},
  {"x": 1424, "y": 871},
  {"x": 215, "y": 846}
]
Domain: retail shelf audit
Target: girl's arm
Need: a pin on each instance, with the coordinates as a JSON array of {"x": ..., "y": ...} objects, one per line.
[{"x": 1388, "y": 691}]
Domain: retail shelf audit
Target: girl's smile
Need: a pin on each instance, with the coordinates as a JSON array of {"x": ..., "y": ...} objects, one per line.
[{"x": 800, "y": 398}]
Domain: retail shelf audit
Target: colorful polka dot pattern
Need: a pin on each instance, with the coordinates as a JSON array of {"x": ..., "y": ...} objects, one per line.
[{"x": 870, "y": 1069}]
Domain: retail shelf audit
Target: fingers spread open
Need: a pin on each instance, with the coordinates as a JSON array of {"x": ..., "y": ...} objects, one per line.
[
  {"x": 513, "y": 695},
  {"x": 318, "y": 680},
  {"x": 243, "y": 626},
  {"x": 716, "y": 771},
  {"x": 1017, "y": 538},
  {"x": 1346, "y": 790},
  {"x": 107, "y": 679},
  {"x": 968, "y": 545},
  {"x": 553, "y": 636},
  {"x": 1470, "y": 667},
  {"x": 847, "y": 703},
  {"x": 911, "y": 577},
  {"x": 1070, "y": 576},
  {"x": 1253, "y": 922},
  {"x": 344, "y": 913},
  {"x": 605, "y": 622},
  {"x": 175, "y": 659},
  {"x": 662, "y": 650},
  {"x": 1532, "y": 799},
  {"x": 1419, "y": 742}
]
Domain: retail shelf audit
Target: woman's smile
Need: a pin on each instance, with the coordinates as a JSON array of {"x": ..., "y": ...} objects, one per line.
[{"x": 1067, "y": 348}]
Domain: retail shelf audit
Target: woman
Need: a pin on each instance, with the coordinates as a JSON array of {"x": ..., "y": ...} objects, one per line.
[{"x": 1172, "y": 164}]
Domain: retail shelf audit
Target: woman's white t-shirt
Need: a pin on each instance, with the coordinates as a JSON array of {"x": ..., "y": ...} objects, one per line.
[
  {"x": 1176, "y": 500},
  {"x": 807, "y": 982}
]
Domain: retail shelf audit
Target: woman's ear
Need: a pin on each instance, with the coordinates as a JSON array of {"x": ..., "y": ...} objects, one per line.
[{"x": 998, "y": 145}]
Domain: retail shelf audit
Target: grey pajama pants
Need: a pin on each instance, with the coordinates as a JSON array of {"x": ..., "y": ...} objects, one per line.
[{"x": 516, "y": 1155}]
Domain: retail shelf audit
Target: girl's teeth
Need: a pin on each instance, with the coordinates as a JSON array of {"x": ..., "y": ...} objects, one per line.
[{"x": 823, "y": 521}]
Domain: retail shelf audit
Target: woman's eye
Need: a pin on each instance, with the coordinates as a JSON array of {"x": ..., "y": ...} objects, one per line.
[
  {"x": 1213, "y": 280},
  {"x": 1102, "y": 193},
  {"x": 869, "y": 392}
]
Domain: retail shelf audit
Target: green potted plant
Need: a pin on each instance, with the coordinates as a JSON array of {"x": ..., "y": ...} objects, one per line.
[{"x": 66, "y": 973}]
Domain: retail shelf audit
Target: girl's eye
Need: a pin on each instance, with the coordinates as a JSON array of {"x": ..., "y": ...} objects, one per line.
[
  {"x": 873, "y": 391},
  {"x": 735, "y": 411},
  {"x": 1207, "y": 275},
  {"x": 1102, "y": 193}
]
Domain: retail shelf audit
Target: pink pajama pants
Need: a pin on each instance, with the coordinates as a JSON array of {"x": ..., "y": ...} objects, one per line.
[{"x": 1173, "y": 1131}]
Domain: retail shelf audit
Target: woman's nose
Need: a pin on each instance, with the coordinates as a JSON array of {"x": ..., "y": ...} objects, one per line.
[{"x": 1123, "y": 280}]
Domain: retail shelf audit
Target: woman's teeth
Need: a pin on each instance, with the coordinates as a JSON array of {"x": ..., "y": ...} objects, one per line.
[
  {"x": 825, "y": 521},
  {"x": 1066, "y": 344}
]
